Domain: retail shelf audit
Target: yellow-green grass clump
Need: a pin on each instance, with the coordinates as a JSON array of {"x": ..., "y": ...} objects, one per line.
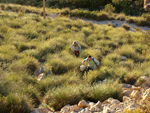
[{"x": 123, "y": 56}]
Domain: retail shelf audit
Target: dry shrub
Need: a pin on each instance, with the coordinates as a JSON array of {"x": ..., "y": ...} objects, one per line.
[{"x": 125, "y": 26}]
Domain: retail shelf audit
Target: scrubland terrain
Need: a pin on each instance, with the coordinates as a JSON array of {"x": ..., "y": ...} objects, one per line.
[{"x": 27, "y": 42}]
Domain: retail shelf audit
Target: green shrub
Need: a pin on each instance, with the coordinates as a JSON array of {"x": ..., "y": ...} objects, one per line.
[
  {"x": 32, "y": 35},
  {"x": 131, "y": 20},
  {"x": 51, "y": 46},
  {"x": 15, "y": 103},
  {"x": 142, "y": 22},
  {"x": 33, "y": 93},
  {"x": 78, "y": 23},
  {"x": 91, "y": 40},
  {"x": 62, "y": 65},
  {"x": 125, "y": 26},
  {"x": 2, "y": 7},
  {"x": 15, "y": 24},
  {"x": 94, "y": 53},
  {"x": 21, "y": 47},
  {"x": 93, "y": 76},
  {"x": 103, "y": 16},
  {"x": 109, "y": 8},
  {"x": 59, "y": 97},
  {"x": 129, "y": 52},
  {"x": 138, "y": 29},
  {"x": 147, "y": 57},
  {"x": 8, "y": 53},
  {"x": 103, "y": 91},
  {"x": 4, "y": 28},
  {"x": 66, "y": 11},
  {"x": 28, "y": 64},
  {"x": 87, "y": 31},
  {"x": 120, "y": 17}
]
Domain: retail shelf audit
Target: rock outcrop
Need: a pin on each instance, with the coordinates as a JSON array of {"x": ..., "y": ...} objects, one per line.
[
  {"x": 147, "y": 5},
  {"x": 131, "y": 102},
  {"x": 135, "y": 99}
]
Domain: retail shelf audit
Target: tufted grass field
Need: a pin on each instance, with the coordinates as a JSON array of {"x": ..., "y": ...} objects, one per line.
[{"x": 27, "y": 42}]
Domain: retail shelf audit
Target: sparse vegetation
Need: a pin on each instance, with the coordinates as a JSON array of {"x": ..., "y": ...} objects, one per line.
[
  {"x": 28, "y": 42},
  {"x": 127, "y": 27}
]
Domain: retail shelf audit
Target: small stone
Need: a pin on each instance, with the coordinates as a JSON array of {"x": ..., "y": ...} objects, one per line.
[
  {"x": 125, "y": 98},
  {"x": 126, "y": 86},
  {"x": 97, "y": 107},
  {"x": 74, "y": 108},
  {"x": 127, "y": 92},
  {"x": 84, "y": 111},
  {"x": 108, "y": 110},
  {"x": 91, "y": 104},
  {"x": 135, "y": 94},
  {"x": 65, "y": 108},
  {"x": 41, "y": 76},
  {"x": 83, "y": 104},
  {"x": 113, "y": 101},
  {"x": 146, "y": 96}
]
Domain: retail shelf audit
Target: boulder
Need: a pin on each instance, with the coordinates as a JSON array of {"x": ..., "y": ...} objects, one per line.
[
  {"x": 126, "y": 92},
  {"x": 126, "y": 99},
  {"x": 66, "y": 108},
  {"x": 123, "y": 58},
  {"x": 136, "y": 88},
  {"x": 83, "y": 104},
  {"x": 146, "y": 96},
  {"x": 132, "y": 107},
  {"x": 143, "y": 80},
  {"x": 86, "y": 110},
  {"x": 108, "y": 110},
  {"x": 135, "y": 94},
  {"x": 113, "y": 101},
  {"x": 74, "y": 108},
  {"x": 147, "y": 5},
  {"x": 97, "y": 107},
  {"x": 126, "y": 85},
  {"x": 91, "y": 104}
]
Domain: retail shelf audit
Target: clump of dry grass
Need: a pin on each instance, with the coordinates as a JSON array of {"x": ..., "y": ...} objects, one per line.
[{"x": 125, "y": 26}]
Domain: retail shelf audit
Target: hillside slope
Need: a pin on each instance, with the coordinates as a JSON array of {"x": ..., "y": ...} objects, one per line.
[{"x": 28, "y": 42}]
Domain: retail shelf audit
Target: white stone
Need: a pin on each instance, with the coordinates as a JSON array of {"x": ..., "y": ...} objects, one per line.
[
  {"x": 135, "y": 94},
  {"x": 84, "y": 111},
  {"x": 83, "y": 104},
  {"x": 113, "y": 101},
  {"x": 65, "y": 108},
  {"x": 91, "y": 104},
  {"x": 125, "y": 98},
  {"x": 74, "y": 108},
  {"x": 97, "y": 107},
  {"x": 108, "y": 110},
  {"x": 126, "y": 92},
  {"x": 41, "y": 76},
  {"x": 145, "y": 79}
]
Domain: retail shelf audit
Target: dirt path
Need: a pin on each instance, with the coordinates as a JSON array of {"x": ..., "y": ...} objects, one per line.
[{"x": 117, "y": 23}]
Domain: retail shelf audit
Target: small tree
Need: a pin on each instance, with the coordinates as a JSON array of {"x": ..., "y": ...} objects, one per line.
[{"x": 109, "y": 8}]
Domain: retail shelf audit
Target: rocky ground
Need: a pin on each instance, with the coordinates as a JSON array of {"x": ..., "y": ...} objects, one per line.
[{"x": 134, "y": 97}]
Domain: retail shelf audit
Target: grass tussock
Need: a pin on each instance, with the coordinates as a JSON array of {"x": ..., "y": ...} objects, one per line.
[
  {"x": 125, "y": 26},
  {"x": 28, "y": 42},
  {"x": 69, "y": 96}
]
